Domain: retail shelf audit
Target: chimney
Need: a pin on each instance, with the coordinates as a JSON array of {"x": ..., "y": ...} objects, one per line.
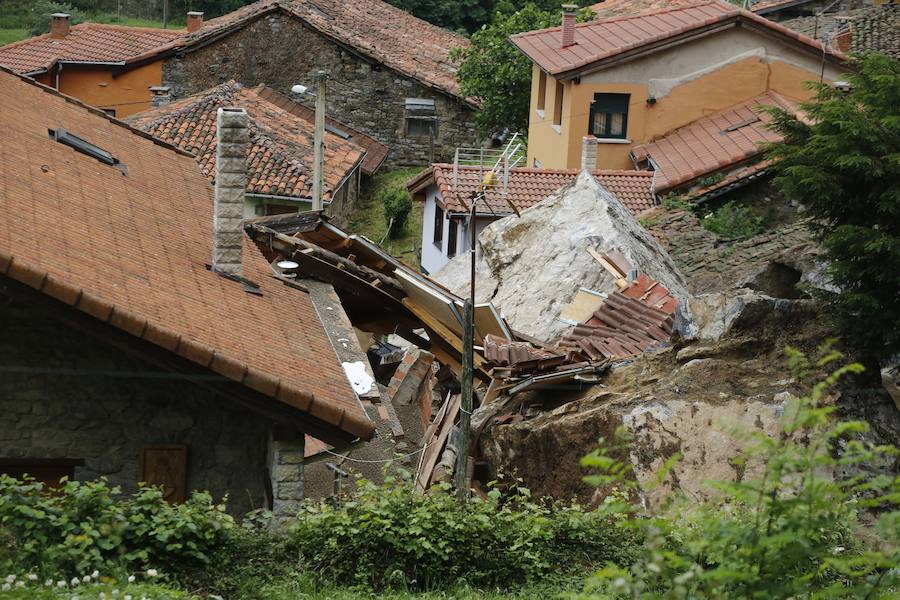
[
  {"x": 59, "y": 25},
  {"x": 589, "y": 153},
  {"x": 570, "y": 11},
  {"x": 194, "y": 21},
  {"x": 160, "y": 95},
  {"x": 843, "y": 36},
  {"x": 231, "y": 182}
]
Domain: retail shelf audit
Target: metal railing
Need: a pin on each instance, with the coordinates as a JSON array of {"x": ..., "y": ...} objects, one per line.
[{"x": 493, "y": 163}]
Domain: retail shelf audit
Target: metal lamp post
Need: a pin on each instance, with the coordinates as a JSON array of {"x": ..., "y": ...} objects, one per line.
[{"x": 319, "y": 142}]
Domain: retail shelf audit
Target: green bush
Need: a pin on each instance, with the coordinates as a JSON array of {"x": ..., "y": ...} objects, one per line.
[
  {"x": 397, "y": 206},
  {"x": 389, "y": 536},
  {"x": 733, "y": 222},
  {"x": 88, "y": 526},
  {"x": 32, "y": 588},
  {"x": 788, "y": 528}
]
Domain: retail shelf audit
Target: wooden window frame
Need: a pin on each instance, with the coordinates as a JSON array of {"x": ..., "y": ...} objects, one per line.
[
  {"x": 609, "y": 104},
  {"x": 438, "y": 233},
  {"x": 542, "y": 91},
  {"x": 558, "y": 104}
]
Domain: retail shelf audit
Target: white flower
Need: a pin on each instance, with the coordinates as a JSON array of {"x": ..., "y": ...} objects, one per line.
[
  {"x": 31, "y": 577},
  {"x": 102, "y": 596},
  {"x": 653, "y": 567},
  {"x": 152, "y": 573},
  {"x": 60, "y": 583},
  {"x": 619, "y": 582},
  {"x": 20, "y": 583},
  {"x": 48, "y": 583},
  {"x": 10, "y": 578},
  {"x": 5, "y": 587},
  {"x": 86, "y": 578},
  {"x": 95, "y": 574},
  {"x": 131, "y": 579},
  {"x": 74, "y": 581},
  {"x": 127, "y": 597},
  {"x": 115, "y": 592},
  {"x": 838, "y": 549}
]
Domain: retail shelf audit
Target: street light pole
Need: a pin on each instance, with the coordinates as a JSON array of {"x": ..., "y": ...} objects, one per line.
[
  {"x": 467, "y": 403},
  {"x": 318, "y": 155}
]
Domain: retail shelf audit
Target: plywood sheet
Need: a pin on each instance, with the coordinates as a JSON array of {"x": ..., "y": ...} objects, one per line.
[{"x": 582, "y": 306}]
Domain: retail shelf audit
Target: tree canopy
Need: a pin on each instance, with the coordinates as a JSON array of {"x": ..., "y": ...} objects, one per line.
[{"x": 842, "y": 162}]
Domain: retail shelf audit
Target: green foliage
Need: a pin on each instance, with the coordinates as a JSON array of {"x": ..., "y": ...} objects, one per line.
[
  {"x": 733, "y": 222},
  {"x": 787, "y": 528},
  {"x": 466, "y": 16},
  {"x": 710, "y": 180},
  {"x": 38, "y": 18},
  {"x": 675, "y": 202},
  {"x": 389, "y": 536},
  {"x": 32, "y": 588},
  {"x": 843, "y": 163},
  {"x": 88, "y": 526},
  {"x": 397, "y": 206},
  {"x": 497, "y": 74}
]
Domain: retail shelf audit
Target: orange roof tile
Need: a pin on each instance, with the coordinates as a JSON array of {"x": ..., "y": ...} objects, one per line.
[
  {"x": 711, "y": 144},
  {"x": 527, "y": 187},
  {"x": 376, "y": 152},
  {"x": 603, "y": 39},
  {"x": 87, "y": 42},
  {"x": 374, "y": 28},
  {"x": 280, "y": 158},
  {"x": 131, "y": 249}
]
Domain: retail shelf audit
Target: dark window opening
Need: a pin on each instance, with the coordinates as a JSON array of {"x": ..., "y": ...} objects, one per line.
[
  {"x": 609, "y": 116},
  {"x": 542, "y": 91},
  {"x": 85, "y": 147},
  {"x": 558, "y": 104},
  {"x": 421, "y": 118},
  {"x": 451, "y": 238},
  {"x": 438, "y": 225}
]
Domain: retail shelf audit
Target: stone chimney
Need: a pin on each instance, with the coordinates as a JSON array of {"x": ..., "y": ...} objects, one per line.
[
  {"x": 570, "y": 11},
  {"x": 194, "y": 21},
  {"x": 843, "y": 37},
  {"x": 59, "y": 25},
  {"x": 160, "y": 95},
  {"x": 231, "y": 182},
  {"x": 588, "y": 153}
]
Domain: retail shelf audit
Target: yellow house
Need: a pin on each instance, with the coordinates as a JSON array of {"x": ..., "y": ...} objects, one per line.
[
  {"x": 112, "y": 67},
  {"x": 634, "y": 80}
]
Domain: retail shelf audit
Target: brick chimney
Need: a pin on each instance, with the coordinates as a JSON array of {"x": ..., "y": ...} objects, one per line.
[
  {"x": 588, "y": 153},
  {"x": 231, "y": 182},
  {"x": 194, "y": 21},
  {"x": 160, "y": 95},
  {"x": 570, "y": 11},
  {"x": 843, "y": 37},
  {"x": 59, "y": 25}
]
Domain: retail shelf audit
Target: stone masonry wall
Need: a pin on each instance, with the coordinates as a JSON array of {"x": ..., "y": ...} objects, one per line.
[
  {"x": 280, "y": 51},
  {"x": 66, "y": 395}
]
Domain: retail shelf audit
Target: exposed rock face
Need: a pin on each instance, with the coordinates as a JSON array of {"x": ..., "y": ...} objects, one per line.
[
  {"x": 715, "y": 316},
  {"x": 534, "y": 264}
]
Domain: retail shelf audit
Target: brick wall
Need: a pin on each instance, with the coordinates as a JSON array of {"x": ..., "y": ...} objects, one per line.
[{"x": 280, "y": 50}]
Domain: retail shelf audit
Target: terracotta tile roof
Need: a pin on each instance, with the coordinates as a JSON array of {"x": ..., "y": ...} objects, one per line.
[
  {"x": 376, "y": 152},
  {"x": 714, "y": 143},
  {"x": 603, "y": 39},
  {"x": 629, "y": 322},
  {"x": 527, "y": 187},
  {"x": 131, "y": 250},
  {"x": 373, "y": 28},
  {"x": 281, "y": 149},
  {"x": 87, "y": 42},
  {"x": 874, "y": 28}
]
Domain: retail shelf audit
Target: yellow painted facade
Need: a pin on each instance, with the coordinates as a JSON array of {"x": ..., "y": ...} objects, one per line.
[
  {"x": 126, "y": 94},
  {"x": 559, "y": 146}
]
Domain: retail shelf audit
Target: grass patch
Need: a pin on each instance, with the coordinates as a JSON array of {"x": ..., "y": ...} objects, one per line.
[
  {"x": 368, "y": 218},
  {"x": 8, "y": 36}
]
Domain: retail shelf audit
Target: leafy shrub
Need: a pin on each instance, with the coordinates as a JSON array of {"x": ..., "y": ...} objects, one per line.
[
  {"x": 30, "y": 587},
  {"x": 38, "y": 21},
  {"x": 397, "y": 206},
  {"x": 87, "y": 526},
  {"x": 389, "y": 536},
  {"x": 675, "y": 202},
  {"x": 733, "y": 222},
  {"x": 787, "y": 532}
]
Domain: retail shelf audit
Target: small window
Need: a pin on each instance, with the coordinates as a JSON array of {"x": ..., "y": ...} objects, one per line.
[
  {"x": 421, "y": 118},
  {"x": 558, "y": 104},
  {"x": 438, "y": 225},
  {"x": 542, "y": 91},
  {"x": 451, "y": 238},
  {"x": 609, "y": 116},
  {"x": 85, "y": 147}
]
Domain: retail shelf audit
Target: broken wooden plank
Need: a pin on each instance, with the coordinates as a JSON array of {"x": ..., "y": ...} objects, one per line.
[{"x": 433, "y": 451}]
